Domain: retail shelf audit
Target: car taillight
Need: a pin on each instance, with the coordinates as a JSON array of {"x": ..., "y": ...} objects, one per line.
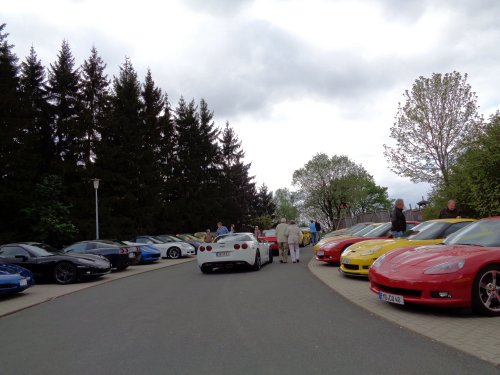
[
  {"x": 123, "y": 250},
  {"x": 237, "y": 246},
  {"x": 244, "y": 246},
  {"x": 209, "y": 248},
  {"x": 201, "y": 248}
]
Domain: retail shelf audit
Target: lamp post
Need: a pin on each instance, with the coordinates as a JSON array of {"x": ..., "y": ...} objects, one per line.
[{"x": 96, "y": 186}]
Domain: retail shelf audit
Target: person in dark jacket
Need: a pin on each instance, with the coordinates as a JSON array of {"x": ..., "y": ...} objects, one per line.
[
  {"x": 450, "y": 211},
  {"x": 398, "y": 219}
]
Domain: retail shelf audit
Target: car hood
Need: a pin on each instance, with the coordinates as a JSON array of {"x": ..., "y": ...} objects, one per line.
[
  {"x": 428, "y": 256},
  {"x": 92, "y": 257}
]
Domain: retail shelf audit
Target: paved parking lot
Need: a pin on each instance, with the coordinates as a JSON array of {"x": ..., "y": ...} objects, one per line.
[
  {"x": 45, "y": 292},
  {"x": 476, "y": 335}
]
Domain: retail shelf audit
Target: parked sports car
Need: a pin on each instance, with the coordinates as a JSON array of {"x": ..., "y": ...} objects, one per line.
[
  {"x": 356, "y": 230},
  {"x": 330, "y": 251},
  {"x": 149, "y": 253},
  {"x": 234, "y": 249},
  {"x": 269, "y": 235},
  {"x": 172, "y": 249},
  {"x": 61, "y": 268},
  {"x": 306, "y": 236},
  {"x": 357, "y": 259},
  {"x": 14, "y": 279},
  {"x": 462, "y": 272},
  {"x": 120, "y": 256}
]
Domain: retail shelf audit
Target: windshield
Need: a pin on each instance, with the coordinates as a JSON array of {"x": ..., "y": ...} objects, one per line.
[
  {"x": 481, "y": 233},
  {"x": 172, "y": 239},
  {"x": 381, "y": 230},
  {"x": 111, "y": 242},
  {"x": 269, "y": 232},
  {"x": 366, "y": 229},
  {"x": 233, "y": 238},
  {"x": 429, "y": 230},
  {"x": 38, "y": 251},
  {"x": 355, "y": 228}
]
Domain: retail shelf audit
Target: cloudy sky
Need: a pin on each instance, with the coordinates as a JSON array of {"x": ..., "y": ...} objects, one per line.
[{"x": 293, "y": 78}]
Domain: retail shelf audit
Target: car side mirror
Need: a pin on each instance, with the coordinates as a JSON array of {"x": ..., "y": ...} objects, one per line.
[{"x": 23, "y": 258}]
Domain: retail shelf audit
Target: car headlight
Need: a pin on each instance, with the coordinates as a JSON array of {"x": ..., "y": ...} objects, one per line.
[
  {"x": 371, "y": 251},
  {"x": 446, "y": 267},
  {"x": 379, "y": 261},
  {"x": 86, "y": 261}
]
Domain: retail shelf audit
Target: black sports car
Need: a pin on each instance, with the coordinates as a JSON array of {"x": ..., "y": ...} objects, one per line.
[
  {"x": 61, "y": 268},
  {"x": 120, "y": 256}
]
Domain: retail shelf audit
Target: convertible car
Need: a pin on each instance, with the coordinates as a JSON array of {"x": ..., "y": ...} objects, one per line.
[
  {"x": 462, "y": 272},
  {"x": 330, "y": 251},
  {"x": 234, "y": 249},
  {"x": 61, "y": 268},
  {"x": 14, "y": 279},
  {"x": 357, "y": 258}
]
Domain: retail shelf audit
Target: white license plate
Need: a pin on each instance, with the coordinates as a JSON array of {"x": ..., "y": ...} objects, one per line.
[
  {"x": 320, "y": 253},
  {"x": 222, "y": 253},
  {"x": 345, "y": 261},
  {"x": 392, "y": 298},
  {"x": 23, "y": 282},
  {"x": 131, "y": 255}
]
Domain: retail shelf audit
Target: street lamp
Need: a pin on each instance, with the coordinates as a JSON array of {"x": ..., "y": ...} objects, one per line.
[{"x": 96, "y": 186}]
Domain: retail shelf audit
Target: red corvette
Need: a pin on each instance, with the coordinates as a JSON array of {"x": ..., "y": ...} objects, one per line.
[
  {"x": 330, "y": 251},
  {"x": 462, "y": 272},
  {"x": 269, "y": 235}
]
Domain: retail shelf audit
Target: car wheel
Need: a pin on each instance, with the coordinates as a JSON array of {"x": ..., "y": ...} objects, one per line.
[
  {"x": 65, "y": 273},
  {"x": 206, "y": 269},
  {"x": 174, "y": 253},
  {"x": 486, "y": 291},
  {"x": 271, "y": 256},
  {"x": 258, "y": 262}
]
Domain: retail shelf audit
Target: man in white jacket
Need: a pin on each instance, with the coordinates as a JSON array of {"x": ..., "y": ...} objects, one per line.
[
  {"x": 294, "y": 236},
  {"x": 282, "y": 240}
]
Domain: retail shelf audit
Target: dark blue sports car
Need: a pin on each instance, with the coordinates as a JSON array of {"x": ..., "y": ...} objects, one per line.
[{"x": 14, "y": 279}]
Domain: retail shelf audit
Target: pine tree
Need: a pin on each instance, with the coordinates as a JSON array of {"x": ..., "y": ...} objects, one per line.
[
  {"x": 117, "y": 158},
  {"x": 10, "y": 122},
  {"x": 95, "y": 102},
  {"x": 65, "y": 106},
  {"x": 237, "y": 188}
]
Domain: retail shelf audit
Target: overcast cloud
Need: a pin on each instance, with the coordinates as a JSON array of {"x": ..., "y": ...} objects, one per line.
[{"x": 293, "y": 78}]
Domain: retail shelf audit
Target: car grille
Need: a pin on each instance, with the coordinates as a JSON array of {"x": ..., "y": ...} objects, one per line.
[
  {"x": 401, "y": 291},
  {"x": 351, "y": 267}
]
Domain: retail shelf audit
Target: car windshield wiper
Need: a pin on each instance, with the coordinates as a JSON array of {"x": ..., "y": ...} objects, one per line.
[{"x": 469, "y": 244}]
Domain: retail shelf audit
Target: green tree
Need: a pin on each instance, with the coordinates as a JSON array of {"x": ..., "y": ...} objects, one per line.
[
  {"x": 286, "y": 204},
  {"x": 10, "y": 123},
  {"x": 433, "y": 127},
  {"x": 263, "y": 204},
  {"x": 328, "y": 184},
  {"x": 474, "y": 181},
  {"x": 49, "y": 213}
]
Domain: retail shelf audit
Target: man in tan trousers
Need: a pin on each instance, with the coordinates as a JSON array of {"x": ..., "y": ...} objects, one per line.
[{"x": 282, "y": 240}]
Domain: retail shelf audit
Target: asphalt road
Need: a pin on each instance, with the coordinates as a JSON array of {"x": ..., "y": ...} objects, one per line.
[{"x": 176, "y": 320}]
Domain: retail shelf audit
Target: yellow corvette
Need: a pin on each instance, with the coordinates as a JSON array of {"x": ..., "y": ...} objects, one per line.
[
  {"x": 357, "y": 258},
  {"x": 355, "y": 230},
  {"x": 306, "y": 236}
]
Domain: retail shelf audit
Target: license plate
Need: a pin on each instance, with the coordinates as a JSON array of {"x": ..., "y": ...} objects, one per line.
[
  {"x": 392, "y": 298},
  {"x": 345, "y": 261},
  {"x": 222, "y": 254},
  {"x": 320, "y": 253},
  {"x": 131, "y": 255},
  {"x": 23, "y": 282}
]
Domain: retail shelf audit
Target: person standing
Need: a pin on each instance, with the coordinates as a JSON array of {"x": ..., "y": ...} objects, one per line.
[
  {"x": 312, "y": 229},
  {"x": 294, "y": 238},
  {"x": 398, "y": 219},
  {"x": 209, "y": 237},
  {"x": 282, "y": 240},
  {"x": 450, "y": 211},
  {"x": 232, "y": 229},
  {"x": 318, "y": 230},
  {"x": 221, "y": 229},
  {"x": 257, "y": 231}
]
